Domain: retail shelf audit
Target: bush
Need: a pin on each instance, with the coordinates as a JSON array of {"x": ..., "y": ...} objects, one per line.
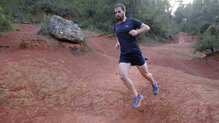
[
  {"x": 208, "y": 41},
  {"x": 5, "y": 25},
  {"x": 204, "y": 27},
  {"x": 43, "y": 25}
]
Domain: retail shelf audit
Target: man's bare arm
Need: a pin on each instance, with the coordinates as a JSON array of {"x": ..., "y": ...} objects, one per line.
[
  {"x": 117, "y": 45},
  {"x": 143, "y": 28}
]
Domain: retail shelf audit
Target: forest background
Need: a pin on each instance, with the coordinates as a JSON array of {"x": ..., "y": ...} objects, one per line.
[{"x": 98, "y": 15}]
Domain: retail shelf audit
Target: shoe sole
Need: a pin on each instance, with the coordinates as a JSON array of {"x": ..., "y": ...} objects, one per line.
[{"x": 139, "y": 102}]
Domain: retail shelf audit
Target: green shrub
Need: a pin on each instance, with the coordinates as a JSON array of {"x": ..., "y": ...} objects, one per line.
[
  {"x": 43, "y": 25},
  {"x": 208, "y": 40},
  {"x": 5, "y": 25},
  {"x": 204, "y": 26}
]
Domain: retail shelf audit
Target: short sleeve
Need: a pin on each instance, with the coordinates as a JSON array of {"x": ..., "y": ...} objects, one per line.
[
  {"x": 114, "y": 29},
  {"x": 137, "y": 23}
]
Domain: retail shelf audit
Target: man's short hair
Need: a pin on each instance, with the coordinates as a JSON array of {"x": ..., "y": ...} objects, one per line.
[{"x": 122, "y": 6}]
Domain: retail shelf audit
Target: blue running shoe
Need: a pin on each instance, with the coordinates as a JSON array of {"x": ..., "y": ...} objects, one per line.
[
  {"x": 155, "y": 88},
  {"x": 137, "y": 100}
]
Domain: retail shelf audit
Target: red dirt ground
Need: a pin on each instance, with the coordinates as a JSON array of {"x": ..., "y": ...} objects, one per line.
[{"x": 53, "y": 86}]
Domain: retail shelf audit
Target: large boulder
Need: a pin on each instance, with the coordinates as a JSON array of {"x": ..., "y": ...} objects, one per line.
[{"x": 63, "y": 29}]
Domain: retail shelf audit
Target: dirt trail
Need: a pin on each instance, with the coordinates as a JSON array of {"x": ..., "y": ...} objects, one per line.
[{"x": 55, "y": 86}]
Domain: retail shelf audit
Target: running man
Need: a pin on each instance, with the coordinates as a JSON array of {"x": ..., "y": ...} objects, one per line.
[{"x": 131, "y": 55}]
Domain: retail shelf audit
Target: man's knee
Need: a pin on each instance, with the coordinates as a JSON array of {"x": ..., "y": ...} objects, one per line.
[
  {"x": 123, "y": 77},
  {"x": 147, "y": 75}
]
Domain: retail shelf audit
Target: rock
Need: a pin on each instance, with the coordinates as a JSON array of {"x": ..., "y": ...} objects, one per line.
[
  {"x": 39, "y": 43},
  {"x": 51, "y": 44},
  {"x": 63, "y": 29}
]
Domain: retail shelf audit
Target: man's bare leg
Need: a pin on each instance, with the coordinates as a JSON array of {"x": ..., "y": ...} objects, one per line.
[
  {"x": 123, "y": 72},
  {"x": 145, "y": 73}
]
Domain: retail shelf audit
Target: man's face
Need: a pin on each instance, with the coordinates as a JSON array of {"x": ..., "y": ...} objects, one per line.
[{"x": 119, "y": 13}]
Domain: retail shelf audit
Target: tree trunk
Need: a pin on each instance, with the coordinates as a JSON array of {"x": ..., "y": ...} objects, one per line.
[{"x": 131, "y": 9}]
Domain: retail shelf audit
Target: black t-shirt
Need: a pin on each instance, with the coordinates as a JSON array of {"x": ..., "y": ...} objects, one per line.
[{"x": 128, "y": 43}]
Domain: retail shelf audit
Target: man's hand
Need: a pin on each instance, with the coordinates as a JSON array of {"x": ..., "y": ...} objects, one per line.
[
  {"x": 117, "y": 45},
  {"x": 143, "y": 28},
  {"x": 133, "y": 32}
]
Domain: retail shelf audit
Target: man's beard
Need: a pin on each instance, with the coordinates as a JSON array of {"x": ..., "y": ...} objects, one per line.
[{"x": 120, "y": 18}]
